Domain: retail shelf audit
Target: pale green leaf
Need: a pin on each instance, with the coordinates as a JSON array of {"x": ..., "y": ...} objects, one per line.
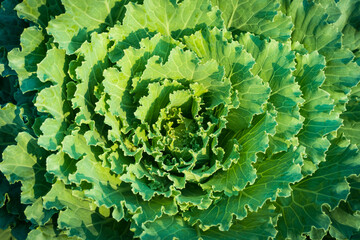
[
  {"x": 39, "y": 11},
  {"x": 90, "y": 74},
  {"x": 11, "y": 123},
  {"x": 81, "y": 218},
  {"x": 82, "y": 17},
  {"x": 170, "y": 18},
  {"x": 61, "y": 165},
  {"x": 25, "y": 162},
  {"x": 24, "y": 62}
]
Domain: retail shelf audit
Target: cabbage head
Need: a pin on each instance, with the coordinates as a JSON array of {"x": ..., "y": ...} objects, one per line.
[{"x": 180, "y": 119}]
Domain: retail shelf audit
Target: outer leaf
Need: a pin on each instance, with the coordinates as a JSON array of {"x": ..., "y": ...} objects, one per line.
[
  {"x": 353, "y": 198},
  {"x": 344, "y": 222},
  {"x": 348, "y": 23},
  {"x": 76, "y": 147},
  {"x": 11, "y": 124},
  {"x": 311, "y": 28},
  {"x": 25, "y": 62},
  {"x": 61, "y": 165},
  {"x": 315, "y": 33},
  {"x": 37, "y": 215},
  {"x": 39, "y": 11},
  {"x": 351, "y": 124},
  {"x": 342, "y": 73},
  {"x": 259, "y": 225},
  {"x": 168, "y": 228},
  {"x": 80, "y": 218},
  {"x": 82, "y": 17},
  {"x": 327, "y": 186},
  {"x": 6, "y": 234},
  {"x": 25, "y": 162},
  {"x": 98, "y": 176},
  {"x": 48, "y": 232},
  {"x": 259, "y": 17},
  {"x": 52, "y": 100},
  {"x": 171, "y": 19}
]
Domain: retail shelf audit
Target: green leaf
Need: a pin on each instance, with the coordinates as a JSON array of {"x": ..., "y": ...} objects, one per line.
[
  {"x": 146, "y": 184},
  {"x": 348, "y": 23},
  {"x": 259, "y": 17},
  {"x": 4, "y": 189},
  {"x": 158, "y": 98},
  {"x": 169, "y": 227},
  {"x": 345, "y": 223},
  {"x": 320, "y": 119},
  {"x": 90, "y": 73},
  {"x": 353, "y": 198},
  {"x": 6, "y": 233},
  {"x": 311, "y": 27},
  {"x": 53, "y": 100},
  {"x": 274, "y": 63},
  {"x": 185, "y": 65},
  {"x": 303, "y": 209},
  {"x": 342, "y": 73},
  {"x": 24, "y": 62},
  {"x": 81, "y": 18},
  {"x": 6, "y": 219},
  {"x": 99, "y": 176},
  {"x": 120, "y": 104},
  {"x": 351, "y": 117},
  {"x": 252, "y": 92},
  {"x": 274, "y": 176},
  {"x": 48, "y": 232},
  {"x": 25, "y": 162},
  {"x": 259, "y": 225},
  {"x": 53, "y": 67},
  {"x": 11, "y": 124},
  {"x": 39, "y": 11},
  {"x": 253, "y": 140},
  {"x": 124, "y": 37},
  {"x": 37, "y": 214},
  {"x": 61, "y": 165},
  {"x": 81, "y": 218},
  {"x": 170, "y": 18},
  {"x": 75, "y": 146},
  {"x": 53, "y": 132}
]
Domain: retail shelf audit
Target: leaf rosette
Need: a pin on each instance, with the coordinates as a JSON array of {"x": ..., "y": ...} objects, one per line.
[{"x": 185, "y": 119}]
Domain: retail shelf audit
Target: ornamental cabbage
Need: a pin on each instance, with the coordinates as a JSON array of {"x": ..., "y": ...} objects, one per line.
[{"x": 180, "y": 119}]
